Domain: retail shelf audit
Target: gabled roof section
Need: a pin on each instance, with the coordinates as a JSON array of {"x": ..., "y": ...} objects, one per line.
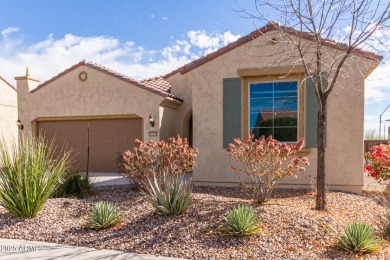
[
  {"x": 272, "y": 26},
  {"x": 156, "y": 85},
  {"x": 7, "y": 83}
]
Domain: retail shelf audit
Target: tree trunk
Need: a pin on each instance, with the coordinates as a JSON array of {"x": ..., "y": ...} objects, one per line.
[{"x": 321, "y": 196}]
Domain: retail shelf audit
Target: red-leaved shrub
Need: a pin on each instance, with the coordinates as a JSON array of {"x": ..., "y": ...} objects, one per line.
[
  {"x": 157, "y": 158},
  {"x": 378, "y": 161},
  {"x": 266, "y": 161}
]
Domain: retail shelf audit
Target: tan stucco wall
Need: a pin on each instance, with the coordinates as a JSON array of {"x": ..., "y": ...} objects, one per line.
[
  {"x": 8, "y": 113},
  {"x": 167, "y": 122},
  {"x": 344, "y": 159},
  {"x": 182, "y": 88},
  {"x": 101, "y": 95}
]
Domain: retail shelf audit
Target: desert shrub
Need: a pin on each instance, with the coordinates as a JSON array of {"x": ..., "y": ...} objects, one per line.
[
  {"x": 73, "y": 184},
  {"x": 266, "y": 161},
  {"x": 371, "y": 135},
  {"x": 29, "y": 174},
  {"x": 241, "y": 221},
  {"x": 157, "y": 158},
  {"x": 103, "y": 215},
  {"x": 384, "y": 223},
  {"x": 169, "y": 194},
  {"x": 378, "y": 161},
  {"x": 359, "y": 238},
  {"x": 383, "y": 218}
]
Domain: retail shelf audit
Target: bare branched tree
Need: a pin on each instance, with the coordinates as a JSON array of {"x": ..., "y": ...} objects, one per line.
[{"x": 325, "y": 37}]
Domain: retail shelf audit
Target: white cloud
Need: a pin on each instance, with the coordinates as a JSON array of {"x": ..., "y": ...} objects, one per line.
[
  {"x": 378, "y": 84},
  {"x": 52, "y": 55},
  {"x": 210, "y": 42},
  {"x": 164, "y": 18},
  {"x": 8, "y": 31},
  {"x": 228, "y": 37}
]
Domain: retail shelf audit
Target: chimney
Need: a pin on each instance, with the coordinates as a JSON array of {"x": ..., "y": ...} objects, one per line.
[{"x": 26, "y": 83}]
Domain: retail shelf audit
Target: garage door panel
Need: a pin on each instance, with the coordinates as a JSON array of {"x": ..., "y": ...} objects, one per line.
[
  {"x": 135, "y": 127},
  {"x": 124, "y": 125},
  {"x": 108, "y": 137}
]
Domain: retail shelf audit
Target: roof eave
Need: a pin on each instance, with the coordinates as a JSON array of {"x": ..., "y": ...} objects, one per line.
[{"x": 7, "y": 83}]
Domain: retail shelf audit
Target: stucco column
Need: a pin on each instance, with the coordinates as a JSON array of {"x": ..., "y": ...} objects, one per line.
[{"x": 24, "y": 84}]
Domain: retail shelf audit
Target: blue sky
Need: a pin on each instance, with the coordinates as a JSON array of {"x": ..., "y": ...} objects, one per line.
[{"x": 138, "y": 38}]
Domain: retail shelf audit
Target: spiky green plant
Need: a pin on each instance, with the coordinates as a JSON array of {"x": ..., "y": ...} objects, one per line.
[
  {"x": 383, "y": 219},
  {"x": 103, "y": 215},
  {"x": 29, "y": 174},
  {"x": 73, "y": 184},
  {"x": 170, "y": 194},
  {"x": 241, "y": 221},
  {"x": 384, "y": 222},
  {"x": 359, "y": 237}
]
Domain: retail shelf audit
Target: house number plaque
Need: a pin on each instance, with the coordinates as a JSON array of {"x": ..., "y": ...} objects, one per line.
[{"x": 152, "y": 133}]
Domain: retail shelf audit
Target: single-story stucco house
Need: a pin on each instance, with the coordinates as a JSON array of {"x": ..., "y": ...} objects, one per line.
[
  {"x": 238, "y": 89},
  {"x": 8, "y": 112}
]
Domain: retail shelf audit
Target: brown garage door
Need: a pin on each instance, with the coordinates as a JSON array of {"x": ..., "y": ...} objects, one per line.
[{"x": 107, "y": 138}]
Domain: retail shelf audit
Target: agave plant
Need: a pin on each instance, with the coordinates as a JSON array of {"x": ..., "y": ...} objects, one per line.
[
  {"x": 73, "y": 184},
  {"x": 103, "y": 215},
  {"x": 170, "y": 194},
  {"x": 241, "y": 221},
  {"x": 29, "y": 174},
  {"x": 359, "y": 237}
]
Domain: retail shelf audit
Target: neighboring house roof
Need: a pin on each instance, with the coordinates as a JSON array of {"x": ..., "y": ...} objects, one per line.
[
  {"x": 7, "y": 83},
  {"x": 259, "y": 32},
  {"x": 269, "y": 114},
  {"x": 156, "y": 85}
]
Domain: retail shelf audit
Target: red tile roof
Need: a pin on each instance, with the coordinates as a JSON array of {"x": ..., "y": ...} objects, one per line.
[
  {"x": 6, "y": 82},
  {"x": 156, "y": 85},
  {"x": 272, "y": 26}
]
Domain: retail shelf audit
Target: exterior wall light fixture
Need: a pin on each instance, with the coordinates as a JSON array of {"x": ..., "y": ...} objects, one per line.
[
  {"x": 20, "y": 125},
  {"x": 151, "y": 120}
]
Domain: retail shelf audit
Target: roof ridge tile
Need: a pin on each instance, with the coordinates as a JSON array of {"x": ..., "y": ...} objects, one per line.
[{"x": 271, "y": 26}]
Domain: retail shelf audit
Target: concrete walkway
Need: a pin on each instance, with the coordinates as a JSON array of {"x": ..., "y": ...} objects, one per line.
[
  {"x": 13, "y": 249},
  {"x": 110, "y": 178},
  {"x": 103, "y": 179}
]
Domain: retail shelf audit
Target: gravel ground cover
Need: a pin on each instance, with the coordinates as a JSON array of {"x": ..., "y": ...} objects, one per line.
[{"x": 292, "y": 229}]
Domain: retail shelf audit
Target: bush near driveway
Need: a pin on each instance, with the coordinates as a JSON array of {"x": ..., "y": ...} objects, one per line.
[
  {"x": 158, "y": 167},
  {"x": 157, "y": 158},
  {"x": 29, "y": 174}
]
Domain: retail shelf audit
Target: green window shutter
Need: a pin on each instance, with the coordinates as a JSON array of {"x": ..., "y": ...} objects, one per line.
[
  {"x": 231, "y": 110},
  {"x": 312, "y": 112}
]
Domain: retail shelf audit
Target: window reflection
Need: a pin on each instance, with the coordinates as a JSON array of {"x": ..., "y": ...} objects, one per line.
[{"x": 274, "y": 110}]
